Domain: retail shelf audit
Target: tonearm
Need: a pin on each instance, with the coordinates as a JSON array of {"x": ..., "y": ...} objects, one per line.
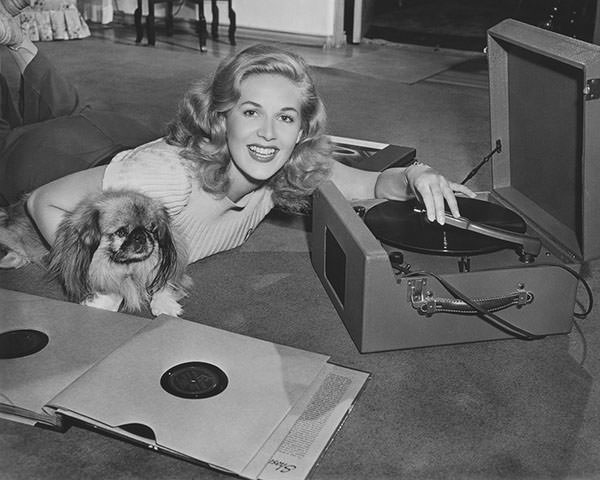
[{"x": 528, "y": 247}]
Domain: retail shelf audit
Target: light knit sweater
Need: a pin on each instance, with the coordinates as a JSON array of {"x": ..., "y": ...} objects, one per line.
[{"x": 208, "y": 224}]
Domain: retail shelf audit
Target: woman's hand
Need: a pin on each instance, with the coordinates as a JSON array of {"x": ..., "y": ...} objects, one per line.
[
  {"x": 422, "y": 181},
  {"x": 417, "y": 180}
]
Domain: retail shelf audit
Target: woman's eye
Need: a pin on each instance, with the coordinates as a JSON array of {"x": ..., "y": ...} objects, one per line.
[
  {"x": 287, "y": 118},
  {"x": 121, "y": 232},
  {"x": 250, "y": 113}
]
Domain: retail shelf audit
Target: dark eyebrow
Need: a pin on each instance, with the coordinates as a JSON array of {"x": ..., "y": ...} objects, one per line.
[
  {"x": 258, "y": 105},
  {"x": 251, "y": 103}
]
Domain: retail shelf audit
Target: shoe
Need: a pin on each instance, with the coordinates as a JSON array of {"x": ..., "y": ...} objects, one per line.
[
  {"x": 10, "y": 31},
  {"x": 12, "y": 7}
]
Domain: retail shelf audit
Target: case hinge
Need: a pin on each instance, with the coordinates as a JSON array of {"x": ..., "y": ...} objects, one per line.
[{"x": 591, "y": 90}]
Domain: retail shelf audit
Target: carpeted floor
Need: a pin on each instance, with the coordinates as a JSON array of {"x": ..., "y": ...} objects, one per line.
[{"x": 494, "y": 410}]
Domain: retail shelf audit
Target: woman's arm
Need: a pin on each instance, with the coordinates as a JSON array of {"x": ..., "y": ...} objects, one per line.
[
  {"x": 401, "y": 184},
  {"x": 48, "y": 203},
  {"x": 354, "y": 184}
]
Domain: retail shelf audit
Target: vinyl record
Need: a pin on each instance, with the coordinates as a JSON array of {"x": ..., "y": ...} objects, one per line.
[
  {"x": 194, "y": 380},
  {"x": 20, "y": 343},
  {"x": 397, "y": 224}
]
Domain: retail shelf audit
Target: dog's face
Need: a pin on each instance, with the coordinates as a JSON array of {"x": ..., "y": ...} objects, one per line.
[
  {"x": 129, "y": 229},
  {"x": 116, "y": 241}
]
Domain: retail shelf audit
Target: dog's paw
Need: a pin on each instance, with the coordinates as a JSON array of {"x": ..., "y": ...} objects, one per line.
[
  {"x": 109, "y": 301},
  {"x": 164, "y": 301}
]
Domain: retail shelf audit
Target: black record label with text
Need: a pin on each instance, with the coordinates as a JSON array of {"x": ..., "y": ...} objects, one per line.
[
  {"x": 194, "y": 380},
  {"x": 402, "y": 225}
]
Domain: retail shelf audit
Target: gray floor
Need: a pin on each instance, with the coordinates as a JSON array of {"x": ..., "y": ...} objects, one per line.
[{"x": 372, "y": 57}]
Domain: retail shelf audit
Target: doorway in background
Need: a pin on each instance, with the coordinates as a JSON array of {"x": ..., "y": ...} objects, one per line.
[{"x": 462, "y": 24}]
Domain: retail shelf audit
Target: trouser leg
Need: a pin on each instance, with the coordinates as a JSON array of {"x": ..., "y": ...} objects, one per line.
[
  {"x": 39, "y": 153},
  {"x": 9, "y": 117},
  {"x": 59, "y": 136},
  {"x": 8, "y": 111},
  {"x": 45, "y": 93}
]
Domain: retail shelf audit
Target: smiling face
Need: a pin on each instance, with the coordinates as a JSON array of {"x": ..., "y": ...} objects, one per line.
[{"x": 262, "y": 130}]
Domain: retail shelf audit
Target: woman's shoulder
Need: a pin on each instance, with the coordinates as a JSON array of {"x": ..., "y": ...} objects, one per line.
[
  {"x": 158, "y": 157},
  {"x": 155, "y": 169},
  {"x": 158, "y": 149}
]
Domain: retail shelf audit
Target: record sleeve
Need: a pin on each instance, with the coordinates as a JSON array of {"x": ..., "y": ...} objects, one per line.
[
  {"x": 77, "y": 337},
  {"x": 246, "y": 406},
  {"x": 265, "y": 381}
]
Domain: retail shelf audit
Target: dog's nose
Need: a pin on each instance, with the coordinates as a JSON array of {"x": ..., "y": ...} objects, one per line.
[{"x": 138, "y": 238}]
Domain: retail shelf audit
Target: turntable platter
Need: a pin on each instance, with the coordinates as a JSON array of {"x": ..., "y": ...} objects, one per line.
[{"x": 398, "y": 225}]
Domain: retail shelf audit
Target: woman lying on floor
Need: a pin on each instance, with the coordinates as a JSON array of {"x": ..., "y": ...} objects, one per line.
[{"x": 248, "y": 140}]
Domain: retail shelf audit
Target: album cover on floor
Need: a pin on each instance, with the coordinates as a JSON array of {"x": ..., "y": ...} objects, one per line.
[
  {"x": 246, "y": 406},
  {"x": 45, "y": 345}
]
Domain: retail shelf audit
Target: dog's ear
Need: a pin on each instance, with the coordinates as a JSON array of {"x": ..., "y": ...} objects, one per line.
[
  {"x": 169, "y": 254},
  {"x": 91, "y": 235},
  {"x": 77, "y": 239}
]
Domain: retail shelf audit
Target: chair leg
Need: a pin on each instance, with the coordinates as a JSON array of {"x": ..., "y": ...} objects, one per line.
[
  {"x": 214, "y": 27},
  {"x": 201, "y": 27},
  {"x": 150, "y": 24},
  {"x": 137, "y": 19},
  {"x": 169, "y": 18},
  {"x": 232, "y": 25}
]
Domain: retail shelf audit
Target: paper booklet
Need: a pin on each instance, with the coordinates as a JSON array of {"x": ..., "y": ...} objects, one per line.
[{"x": 246, "y": 406}]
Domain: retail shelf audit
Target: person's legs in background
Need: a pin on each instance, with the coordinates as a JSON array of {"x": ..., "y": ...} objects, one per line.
[
  {"x": 53, "y": 134},
  {"x": 44, "y": 93},
  {"x": 9, "y": 115},
  {"x": 10, "y": 36}
]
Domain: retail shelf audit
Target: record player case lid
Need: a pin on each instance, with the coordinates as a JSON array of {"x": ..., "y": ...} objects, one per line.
[{"x": 545, "y": 110}]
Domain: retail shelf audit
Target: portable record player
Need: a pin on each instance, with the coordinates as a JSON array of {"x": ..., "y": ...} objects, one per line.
[{"x": 509, "y": 267}]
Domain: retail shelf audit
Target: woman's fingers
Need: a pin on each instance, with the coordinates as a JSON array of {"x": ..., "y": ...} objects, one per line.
[{"x": 436, "y": 192}]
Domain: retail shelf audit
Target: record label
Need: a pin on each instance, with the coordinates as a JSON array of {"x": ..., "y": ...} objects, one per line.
[
  {"x": 194, "y": 380},
  {"x": 20, "y": 343}
]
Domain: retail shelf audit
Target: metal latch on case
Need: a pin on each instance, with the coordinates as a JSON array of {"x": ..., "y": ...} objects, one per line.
[{"x": 591, "y": 91}]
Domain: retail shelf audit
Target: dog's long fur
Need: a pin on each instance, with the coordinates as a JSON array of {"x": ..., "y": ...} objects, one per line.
[
  {"x": 20, "y": 244},
  {"x": 115, "y": 243}
]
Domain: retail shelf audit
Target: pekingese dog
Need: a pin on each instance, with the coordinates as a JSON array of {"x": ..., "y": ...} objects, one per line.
[{"x": 114, "y": 250}]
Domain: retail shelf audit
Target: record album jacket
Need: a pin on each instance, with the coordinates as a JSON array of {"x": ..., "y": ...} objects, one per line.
[
  {"x": 77, "y": 337},
  {"x": 235, "y": 403}
]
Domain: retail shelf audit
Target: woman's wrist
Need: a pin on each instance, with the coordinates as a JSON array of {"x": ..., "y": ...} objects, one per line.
[
  {"x": 412, "y": 172},
  {"x": 398, "y": 183},
  {"x": 392, "y": 184}
]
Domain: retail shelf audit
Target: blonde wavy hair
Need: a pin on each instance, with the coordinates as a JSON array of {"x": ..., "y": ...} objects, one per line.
[{"x": 199, "y": 126}]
